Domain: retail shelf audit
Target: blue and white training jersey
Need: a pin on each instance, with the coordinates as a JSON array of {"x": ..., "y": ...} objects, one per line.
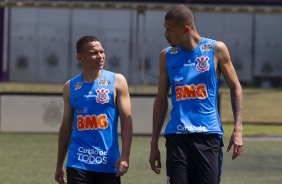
[
  {"x": 94, "y": 140},
  {"x": 194, "y": 90}
]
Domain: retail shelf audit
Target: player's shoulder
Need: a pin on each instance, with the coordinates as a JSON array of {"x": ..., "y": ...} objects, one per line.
[
  {"x": 220, "y": 44},
  {"x": 220, "y": 47},
  {"x": 120, "y": 77},
  {"x": 121, "y": 83},
  {"x": 67, "y": 84},
  {"x": 66, "y": 88},
  {"x": 163, "y": 51}
]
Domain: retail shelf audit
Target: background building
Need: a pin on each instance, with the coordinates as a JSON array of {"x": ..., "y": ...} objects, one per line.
[{"x": 38, "y": 37}]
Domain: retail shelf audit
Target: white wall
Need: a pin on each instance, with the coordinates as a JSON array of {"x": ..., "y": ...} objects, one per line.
[{"x": 43, "y": 113}]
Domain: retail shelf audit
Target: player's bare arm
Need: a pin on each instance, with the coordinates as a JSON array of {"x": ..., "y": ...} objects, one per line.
[
  {"x": 225, "y": 66},
  {"x": 159, "y": 113},
  {"x": 64, "y": 134},
  {"x": 124, "y": 108}
]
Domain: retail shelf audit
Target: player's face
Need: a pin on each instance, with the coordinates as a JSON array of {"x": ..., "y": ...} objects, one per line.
[
  {"x": 92, "y": 55},
  {"x": 173, "y": 33}
]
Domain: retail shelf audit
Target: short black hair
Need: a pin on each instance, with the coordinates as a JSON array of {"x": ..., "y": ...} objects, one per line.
[
  {"x": 83, "y": 40},
  {"x": 181, "y": 14}
]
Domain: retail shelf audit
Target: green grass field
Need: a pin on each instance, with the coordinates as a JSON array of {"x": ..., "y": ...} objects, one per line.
[{"x": 31, "y": 158}]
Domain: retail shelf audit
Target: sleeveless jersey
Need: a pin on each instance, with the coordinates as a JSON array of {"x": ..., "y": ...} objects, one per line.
[
  {"x": 94, "y": 140},
  {"x": 194, "y": 90}
]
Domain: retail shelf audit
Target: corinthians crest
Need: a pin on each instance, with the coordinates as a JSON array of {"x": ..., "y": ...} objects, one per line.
[
  {"x": 202, "y": 63},
  {"x": 53, "y": 113},
  {"x": 102, "y": 96}
]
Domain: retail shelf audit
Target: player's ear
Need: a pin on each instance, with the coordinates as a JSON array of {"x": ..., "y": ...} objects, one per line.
[
  {"x": 79, "y": 57},
  {"x": 186, "y": 29}
]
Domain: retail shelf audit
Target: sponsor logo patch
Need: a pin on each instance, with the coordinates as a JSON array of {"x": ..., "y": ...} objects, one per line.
[
  {"x": 90, "y": 95},
  {"x": 174, "y": 50},
  {"x": 197, "y": 129},
  {"x": 92, "y": 122},
  {"x": 191, "y": 91},
  {"x": 189, "y": 63},
  {"x": 78, "y": 85},
  {"x": 104, "y": 82},
  {"x": 206, "y": 47},
  {"x": 92, "y": 155},
  {"x": 179, "y": 82}
]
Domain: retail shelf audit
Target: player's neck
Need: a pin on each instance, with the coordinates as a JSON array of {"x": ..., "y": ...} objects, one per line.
[
  {"x": 192, "y": 42},
  {"x": 91, "y": 76}
]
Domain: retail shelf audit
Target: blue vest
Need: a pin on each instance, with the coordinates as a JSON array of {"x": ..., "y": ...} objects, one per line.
[
  {"x": 194, "y": 90},
  {"x": 94, "y": 140}
]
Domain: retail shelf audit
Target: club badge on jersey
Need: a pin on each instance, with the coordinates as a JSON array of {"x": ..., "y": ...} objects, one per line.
[
  {"x": 202, "y": 63},
  {"x": 102, "y": 96}
]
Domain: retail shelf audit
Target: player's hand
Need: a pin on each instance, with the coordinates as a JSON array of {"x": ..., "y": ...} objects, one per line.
[
  {"x": 59, "y": 176},
  {"x": 155, "y": 160},
  {"x": 237, "y": 141},
  {"x": 122, "y": 165}
]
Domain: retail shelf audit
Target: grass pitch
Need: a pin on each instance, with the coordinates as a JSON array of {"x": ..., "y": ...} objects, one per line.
[{"x": 31, "y": 158}]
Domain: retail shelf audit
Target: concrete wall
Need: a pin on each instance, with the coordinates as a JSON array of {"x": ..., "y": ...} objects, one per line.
[{"x": 42, "y": 113}]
